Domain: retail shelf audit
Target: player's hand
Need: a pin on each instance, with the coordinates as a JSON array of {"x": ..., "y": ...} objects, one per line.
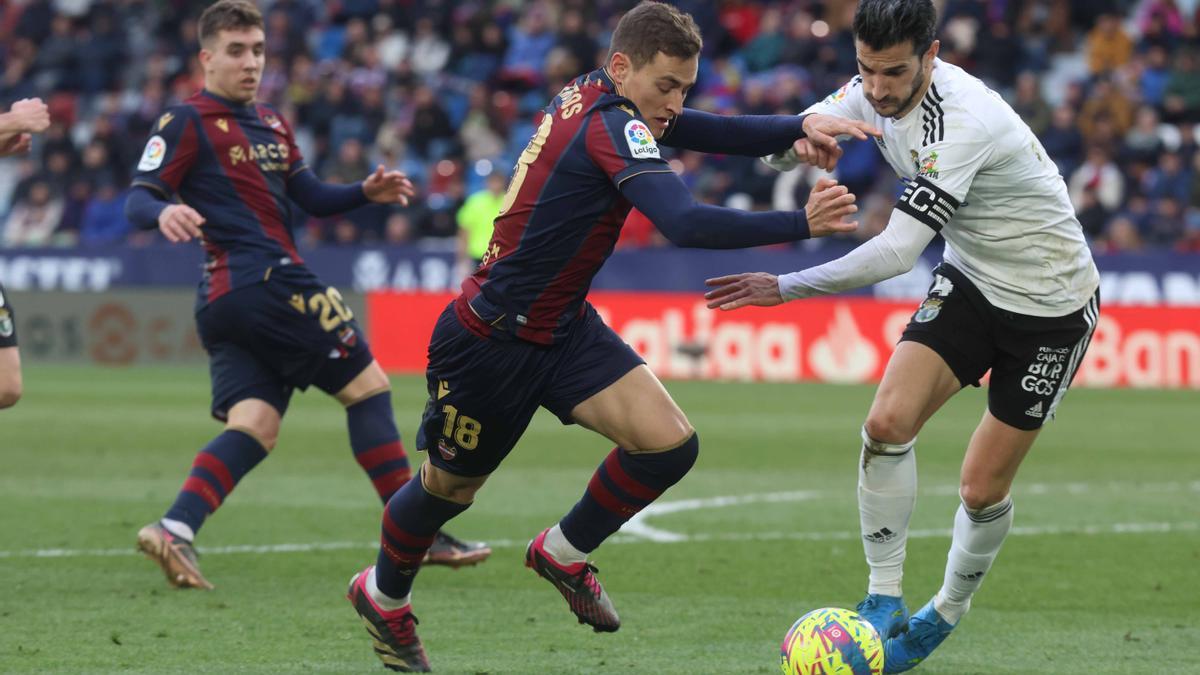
[
  {"x": 16, "y": 145},
  {"x": 806, "y": 152},
  {"x": 822, "y": 131},
  {"x": 739, "y": 290},
  {"x": 388, "y": 187},
  {"x": 179, "y": 223},
  {"x": 828, "y": 206},
  {"x": 31, "y": 115}
]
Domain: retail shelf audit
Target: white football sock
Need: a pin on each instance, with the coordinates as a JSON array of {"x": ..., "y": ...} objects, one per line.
[
  {"x": 887, "y": 492},
  {"x": 384, "y": 601},
  {"x": 560, "y": 549},
  {"x": 178, "y": 528},
  {"x": 978, "y": 536}
]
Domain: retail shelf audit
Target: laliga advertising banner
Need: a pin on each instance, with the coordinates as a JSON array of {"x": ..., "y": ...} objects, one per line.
[{"x": 840, "y": 340}]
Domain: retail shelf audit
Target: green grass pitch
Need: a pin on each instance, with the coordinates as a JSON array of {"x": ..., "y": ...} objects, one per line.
[{"x": 1101, "y": 574}]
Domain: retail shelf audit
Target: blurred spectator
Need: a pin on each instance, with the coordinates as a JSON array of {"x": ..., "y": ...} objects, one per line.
[
  {"x": 34, "y": 219},
  {"x": 475, "y": 222},
  {"x": 1167, "y": 225},
  {"x": 432, "y": 135},
  {"x": 529, "y": 42},
  {"x": 104, "y": 218},
  {"x": 1106, "y": 113},
  {"x": 1143, "y": 142},
  {"x": 1108, "y": 46},
  {"x": 1155, "y": 75},
  {"x": 1099, "y": 177},
  {"x": 1182, "y": 97},
  {"x": 1030, "y": 105},
  {"x": 1121, "y": 236},
  {"x": 1063, "y": 140},
  {"x": 429, "y": 51},
  {"x": 1170, "y": 179}
]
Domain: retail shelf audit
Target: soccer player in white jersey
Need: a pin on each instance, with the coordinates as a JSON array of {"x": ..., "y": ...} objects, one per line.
[{"x": 1016, "y": 295}]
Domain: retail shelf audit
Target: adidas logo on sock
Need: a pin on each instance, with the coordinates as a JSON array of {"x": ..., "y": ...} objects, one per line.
[
  {"x": 1035, "y": 411},
  {"x": 884, "y": 535},
  {"x": 969, "y": 576}
]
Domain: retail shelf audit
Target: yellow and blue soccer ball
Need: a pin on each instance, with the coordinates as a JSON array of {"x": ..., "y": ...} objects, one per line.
[{"x": 831, "y": 641}]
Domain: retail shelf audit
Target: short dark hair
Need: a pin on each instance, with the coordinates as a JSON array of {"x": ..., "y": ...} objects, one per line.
[
  {"x": 228, "y": 15},
  {"x": 886, "y": 23},
  {"x": 654, "y": 27}
]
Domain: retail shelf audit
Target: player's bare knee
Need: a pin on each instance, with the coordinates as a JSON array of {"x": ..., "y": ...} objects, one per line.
[
  {"x": 458, "y": 489},
  {"x": 978, "y": 497},
  {"x": 884, "y": 426},
  {"x": 672, "y": 434},
  {"x": 878, "y": 447}
]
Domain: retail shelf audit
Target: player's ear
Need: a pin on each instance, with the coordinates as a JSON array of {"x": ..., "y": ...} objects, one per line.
[
  {"x": 932, "y": 52},
  {"x": 619, "y": 66}
]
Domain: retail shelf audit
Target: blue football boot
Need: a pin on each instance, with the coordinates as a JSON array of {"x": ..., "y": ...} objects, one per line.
[
  {"x": 886, "y": 613},
  {"x": 926, "y": 630}
]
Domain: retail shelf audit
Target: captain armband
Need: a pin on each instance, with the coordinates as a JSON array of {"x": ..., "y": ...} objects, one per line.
[{"x": 928, "y": 203}]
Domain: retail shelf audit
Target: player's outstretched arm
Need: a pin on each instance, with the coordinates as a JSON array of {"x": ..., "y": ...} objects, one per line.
[
  {"x": 177, "y": 222},
  {"x": 758, "y": 135},
  {"x": 667, "y": 202},
  {"x": 819, "y": 146},
  {"x": 328, "y": 199},
  {"x": 892, "y": 252}
]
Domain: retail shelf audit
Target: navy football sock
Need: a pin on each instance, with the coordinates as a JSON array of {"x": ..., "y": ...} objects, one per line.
[
  {"x": 624, "y": 484},
  {"x": 376, "y": 444},
  {"x": 411, "y": 519},
  {"x": 215, "y": 471}
]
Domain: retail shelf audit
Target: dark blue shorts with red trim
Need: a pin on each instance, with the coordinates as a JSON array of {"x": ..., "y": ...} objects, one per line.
[
  {"x": 268, "y": 339},
  {"x": 485, "y": 384}
]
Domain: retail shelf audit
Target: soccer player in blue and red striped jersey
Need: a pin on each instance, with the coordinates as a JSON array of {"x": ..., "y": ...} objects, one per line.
[
  {"x": 226, "y": 170},
  {"x": 522, "y": 334}
]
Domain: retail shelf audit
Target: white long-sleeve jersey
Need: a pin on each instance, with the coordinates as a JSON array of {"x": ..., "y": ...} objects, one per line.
[{"x": 975, "y": 172}]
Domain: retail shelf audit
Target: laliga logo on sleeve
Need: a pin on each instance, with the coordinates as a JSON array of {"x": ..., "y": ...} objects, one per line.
[
  {"x": 641, "y": 141},
  {"x": 152, "y": 156}
]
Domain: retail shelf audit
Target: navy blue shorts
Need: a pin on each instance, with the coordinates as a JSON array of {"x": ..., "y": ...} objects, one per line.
[
  {"x": 483, "y": 391},
  {"x": 266, "y": 340}
]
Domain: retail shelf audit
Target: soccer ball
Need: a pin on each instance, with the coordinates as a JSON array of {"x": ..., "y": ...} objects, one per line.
[{"x": 831, "y": 641}]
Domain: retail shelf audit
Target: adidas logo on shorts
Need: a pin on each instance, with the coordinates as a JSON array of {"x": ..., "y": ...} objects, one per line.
[{"x": 1035, "y": 411}]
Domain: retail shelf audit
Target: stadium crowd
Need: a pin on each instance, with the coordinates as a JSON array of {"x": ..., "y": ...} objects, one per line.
[{"x": 446, "y": 90}]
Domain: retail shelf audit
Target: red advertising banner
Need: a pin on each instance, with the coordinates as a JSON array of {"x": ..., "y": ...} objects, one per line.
[{"x": 845, "y": 340}]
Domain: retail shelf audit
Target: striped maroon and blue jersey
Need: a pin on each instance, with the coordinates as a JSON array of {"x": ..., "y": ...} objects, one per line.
[
  {"x": 563, "y": 211},
  {"x": 231, "y": 163}
]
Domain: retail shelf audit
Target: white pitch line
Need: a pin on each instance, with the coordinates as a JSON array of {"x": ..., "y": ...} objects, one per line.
[
  {"x": 842, "y": 535},
  {"x": 637, "y": 531},
  {"x": 638, "y": 527}
]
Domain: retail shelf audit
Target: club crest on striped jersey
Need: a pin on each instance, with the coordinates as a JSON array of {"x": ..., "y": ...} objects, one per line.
[
  {"x": 640, "y": 140},
  {"x": 273, "y": 122},
  {"x": 925, "y": 166},
  {"x": 152, "y": 156}
]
